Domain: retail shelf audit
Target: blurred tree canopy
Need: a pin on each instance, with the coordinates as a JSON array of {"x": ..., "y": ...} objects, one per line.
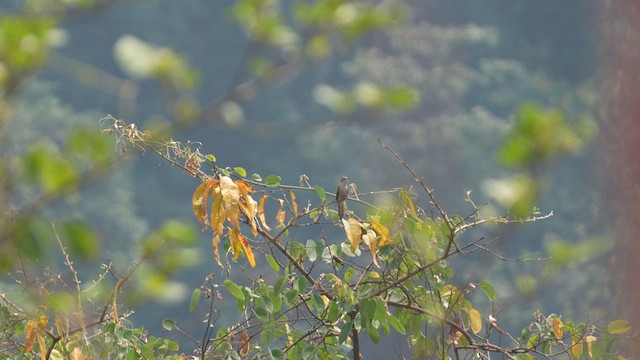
[{"x": 495, "y": 116}]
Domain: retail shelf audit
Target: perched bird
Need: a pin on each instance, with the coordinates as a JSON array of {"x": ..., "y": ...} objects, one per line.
[{"x": 341, "y": 194}]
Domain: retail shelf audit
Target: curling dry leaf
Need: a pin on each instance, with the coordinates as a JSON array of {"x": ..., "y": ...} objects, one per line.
[
  {"x": 557, "y": 328},
  {"x": 30, "y": 335},
  {"x": 476, "y": 320},
  {"x": 248, "y": 205},
  {"x": 244, "y": 343},
  {"x": 353, "y": 229},
  {"x": 294, "y": 204},
  {"x": 281, "y": 214},
  {"x": 201, "y": 198},
  {"x": 371, "y": 239},
  {"x": 261, "y": 216},
  {"x": 231, "y": 197},
  {"x": 382, "y": 231}
]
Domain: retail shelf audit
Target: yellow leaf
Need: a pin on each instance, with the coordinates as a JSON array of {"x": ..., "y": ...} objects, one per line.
[
  {"x": 43, "y": 348},
  {"x": 371, "y": 239},
  {"x": 353, "y": 229},
  {"x": 590, "y": 339},
  {"x": 476, "y": 320},
  {"x": 451, "y": 294},
  {"x": 247, "y": 249},
  {"x": 281, "y": 214},
  {"x": 200, "y": 200},
  {"x": 30, "y": 335},
  {"x": 236, "y": 243},
  {"x": 77, "y": 354},
  {"x": 294, "y": 204},
  {"x": 576, "y": 348},
  {"x": 217, "y": 213},
  {"x": 248, "y": 205},
  {"x": 382, "y": 231},
  {"x": 618, "y": 327},
  {"x": 231, "y": 197},
  {"x": 261, "y": 216},
  {"x": 557, "y": 324}
]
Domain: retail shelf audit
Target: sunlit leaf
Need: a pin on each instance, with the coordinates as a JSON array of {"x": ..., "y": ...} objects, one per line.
[
  {"x": 200, "y": 200},
  {"x": 240, "y": 171},
  {"x": 557, "y": 328},
  {"x": 590, "y": 339},
  {"x": 215, "y": 242},
  {"x": 294, "y": 204},
  {"x": 272, "y": 180},
  {"x": 577, "y": 348},
  {"x": 409, "y": 202},
  {"x": 261, "y": 215},
  {"x": 248, "y": 205},
  {"x": 476, "y": 320},
  {"x": 231, "y": 197},
  {"x": 382, "y": 231},
  {"x": 353, "y": 229},
  {"x": 371, "y": 239},
  {"x": 280, "y": 216},
  {"x": 247, "y": 249}
]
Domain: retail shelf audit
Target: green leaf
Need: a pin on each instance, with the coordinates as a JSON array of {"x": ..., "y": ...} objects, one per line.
[
  {"x": 276, "y": 354},
  {"x": 273, "y": 263},
  {"x": 256, "y": 177},
  {"x": 261, "y": 312},
  {"x": 195, "y": 299},
  {"x": 300, "y": 284},
  {"x": 211, "y": 158},
  {"x": 273, "y": 180},
  {"x": 321, "y": 194},
  {"x": 240, "y": 171},
  {"x": 279, "y": 284},
  {"x": 168, "y": 324},
  {"x": 488, "y": 290},
  {"x": 397, "y": 324},
  {"x": 348, "y": 274},
  {"x": 234, "y": 289},
  {"x": 345, "y": 330},
  {"x": 312, "y": 254}
]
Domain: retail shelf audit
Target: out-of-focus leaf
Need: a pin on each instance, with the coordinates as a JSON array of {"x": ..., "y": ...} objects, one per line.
[
  {"x": 382, "y": 231},
  {"x": 557, "y": 327},
  {"x": 195, "y": 299},
  {"x": 30, "y": 335},
  {"x": 345, "y": 330},
  {"x": 168, "y": 324},
  {"x": 371, "y": 240},
  {"x": 407, "y": 199},
  {"x": 82, "y": 240},
  {"x": 312, "y": 252},
  {"x": 590, "y": 339},
  {"x": 618, "y": 327}
]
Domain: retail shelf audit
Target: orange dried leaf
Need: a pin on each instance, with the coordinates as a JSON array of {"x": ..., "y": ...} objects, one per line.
[
  {"x": 77, "y": 354},
  {"x": 382, "y": 231},
  {"x": 244, "y": 344},
  {"x": 30, "y": 335},
  {"x": 236, "y": 242},
  {"x": 281, "y": 214},
  {"x": 231, "y": 198},
  {"x": 247, "y": 249},
  {"x": 353, "y": 230},
  {"x": 43, "y": 348},
  {"x": 557, "y": 328},
  {"x": 576, "y": 348},
  {"x": 261, "y": 215}
]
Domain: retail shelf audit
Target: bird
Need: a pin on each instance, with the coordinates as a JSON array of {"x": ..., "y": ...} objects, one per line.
[{"x": 341, "y": 194}]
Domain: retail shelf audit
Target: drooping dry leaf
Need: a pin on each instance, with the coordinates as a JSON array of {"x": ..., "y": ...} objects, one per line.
[
  {"x": 281, "y": 214},
  {"x": 382, "y": 231},
  {"x": 215, "y": 242},
  {"x": 247, "y": 249},
  {"x": 557, "y": 328},
  {"x": 353, "y": 230},
  {"x": 576, "y": 348},
  {"x": 248, "y": 205},
  {"x": 590, "y": 339},
  {"x": 218, "y": 214},
  {"x": 244, "y": 345},
  {"x": 231, "y": 198},
  {"x": 201, "y": 198},
  {"x": 476, "y": 320},
  {"x": 261, "y": 215},
  {"x": 294, "y": 204},
  {"x": 236, "y": 243},
  {"x": 371, "y": 239},
  {"x": 43, "y": 347}
]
